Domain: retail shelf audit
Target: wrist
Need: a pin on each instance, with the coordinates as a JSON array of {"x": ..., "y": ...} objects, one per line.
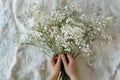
[
  {"x": 53, "y": 77},
  {"x": 74, "y": 77}
]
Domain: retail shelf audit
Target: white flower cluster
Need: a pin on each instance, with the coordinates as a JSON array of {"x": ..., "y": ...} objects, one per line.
[
  {"x": 65, "y": 29},
  {"x": 70, "y": 36}
]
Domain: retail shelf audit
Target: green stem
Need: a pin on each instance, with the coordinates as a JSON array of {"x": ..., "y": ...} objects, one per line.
[{"x": 63, "y": 75}]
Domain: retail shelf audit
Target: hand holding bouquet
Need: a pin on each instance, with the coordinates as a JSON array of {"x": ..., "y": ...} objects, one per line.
[{"x": 69, "y": 65}]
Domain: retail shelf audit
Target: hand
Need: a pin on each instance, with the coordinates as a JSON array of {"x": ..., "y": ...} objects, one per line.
[
  {"x": 55, "y": 67},
  {"x": 70, "y": 67}
]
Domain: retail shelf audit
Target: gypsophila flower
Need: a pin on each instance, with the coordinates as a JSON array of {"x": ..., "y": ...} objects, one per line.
[
  {"x": 62, "y": 29},
  {"x": 66, "y": 29}
]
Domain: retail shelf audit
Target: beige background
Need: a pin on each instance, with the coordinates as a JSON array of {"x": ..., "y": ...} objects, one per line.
[{"x": 30, "y": 63}]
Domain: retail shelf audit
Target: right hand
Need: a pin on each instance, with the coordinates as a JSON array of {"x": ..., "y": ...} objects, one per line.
[{"x": 70, "y": 67}]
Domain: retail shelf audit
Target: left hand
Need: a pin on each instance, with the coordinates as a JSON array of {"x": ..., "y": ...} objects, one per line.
[{"x": 55, "y": 67}]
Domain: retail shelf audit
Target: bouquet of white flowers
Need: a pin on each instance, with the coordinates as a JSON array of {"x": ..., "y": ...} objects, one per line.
[{"x": 65, "y": 29}]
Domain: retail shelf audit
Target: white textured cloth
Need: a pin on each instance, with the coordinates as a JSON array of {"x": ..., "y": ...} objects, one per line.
[{"x": 30, "y": 63}]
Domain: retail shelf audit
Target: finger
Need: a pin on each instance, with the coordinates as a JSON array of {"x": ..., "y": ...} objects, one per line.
[
  {"x": 53, "y": 59},
  {"x": 64, "y": 60},
  {"x": 59, "y": 60},
  {"x": 70, "y": 58}
]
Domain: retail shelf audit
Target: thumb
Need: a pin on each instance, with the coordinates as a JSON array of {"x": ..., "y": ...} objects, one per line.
[
  {"x": 64, "y": 60},
  {"x": 59, "y": 60}
]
